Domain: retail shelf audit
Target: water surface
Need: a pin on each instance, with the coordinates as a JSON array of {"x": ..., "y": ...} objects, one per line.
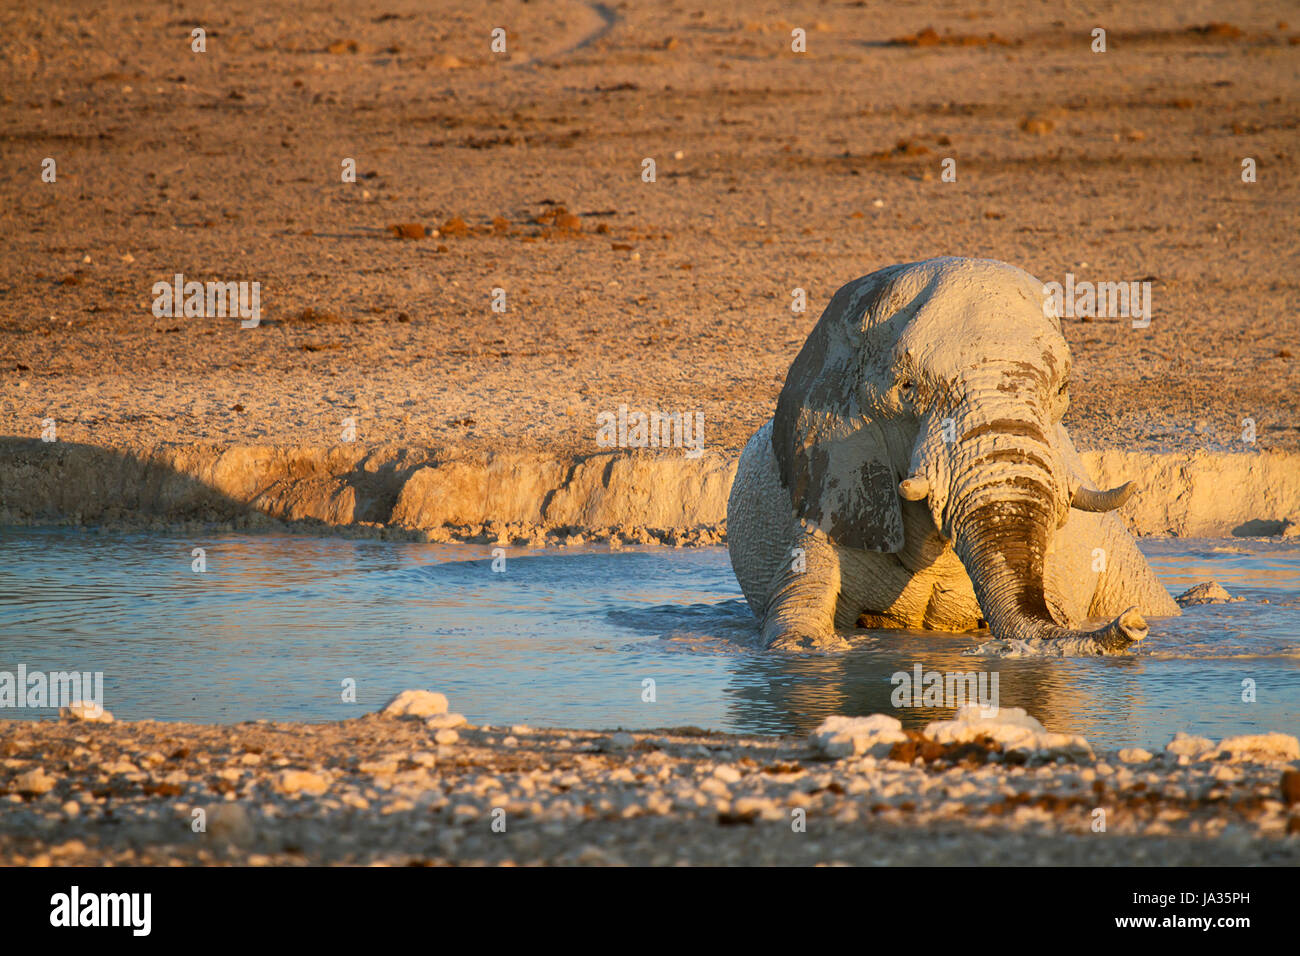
[{"x": 277, "y": 626}]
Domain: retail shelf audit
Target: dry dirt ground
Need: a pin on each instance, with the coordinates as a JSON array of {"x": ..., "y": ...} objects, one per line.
[{"x": 775, "y": 170}]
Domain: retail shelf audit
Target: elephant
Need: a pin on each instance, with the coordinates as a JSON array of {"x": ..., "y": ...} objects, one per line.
[{"x": 916, "y": 475}]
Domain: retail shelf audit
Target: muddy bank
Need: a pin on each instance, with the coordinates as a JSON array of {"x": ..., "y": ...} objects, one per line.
[
  {"x": 530, "y": 495},
  {"x": 427, "y": 789}
]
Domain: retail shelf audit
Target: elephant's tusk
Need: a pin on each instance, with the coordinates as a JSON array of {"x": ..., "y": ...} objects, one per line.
[
  {"x": 1090, "y": 499},
  {"x": 914, "y": 488}
]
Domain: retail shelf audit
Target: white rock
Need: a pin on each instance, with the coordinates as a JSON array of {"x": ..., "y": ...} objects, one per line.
[
  {"x": 303, "y": 781},
  {"x": 1209, "y": 592},
  {"x": 1008, "y": 726},
  {"x": 1261, "y": 747},
  {"x": 845, "y": 736},
  {"x": 714, "y": 787},
  {"x": 1189, "y": 745},
  {"x": 416, "y": 703},
  {"x": 769, "y": 810},
  {"x": 1134, "y": 755},
  {"x": 446, "y": 736},
  {"x": 726, "y": 773},
  {"x": 1012, "y": 728},
  {"x": 87, "y": 711},
  {"x": 36, "y": 782},
  {"x": 441, "y": 721}
]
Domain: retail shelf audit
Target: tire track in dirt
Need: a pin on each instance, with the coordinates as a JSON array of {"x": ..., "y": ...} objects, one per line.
[{"x": 608, "y": 20}]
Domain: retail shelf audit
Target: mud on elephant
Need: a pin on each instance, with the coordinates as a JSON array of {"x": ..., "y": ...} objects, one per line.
[{"x": 916, "y": 474}]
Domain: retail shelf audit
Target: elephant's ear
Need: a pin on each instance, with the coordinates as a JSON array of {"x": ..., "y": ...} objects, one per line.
[{"x": 832, "y": 459}]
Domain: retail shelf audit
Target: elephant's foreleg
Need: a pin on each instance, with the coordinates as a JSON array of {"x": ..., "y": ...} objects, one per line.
[{"x": 800, "y": 612}]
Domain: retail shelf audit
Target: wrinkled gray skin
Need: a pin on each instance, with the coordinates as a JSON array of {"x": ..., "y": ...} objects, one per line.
[{"x": 850, "y": 508}]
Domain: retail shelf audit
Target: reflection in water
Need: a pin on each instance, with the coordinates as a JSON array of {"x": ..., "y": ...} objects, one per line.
[
  {"x": 277, "y": 623},
  {"x": 1062, "y": 694}
]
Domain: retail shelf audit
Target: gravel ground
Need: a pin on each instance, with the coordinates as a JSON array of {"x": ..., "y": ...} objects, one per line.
[{"x": 383, "y": 790}]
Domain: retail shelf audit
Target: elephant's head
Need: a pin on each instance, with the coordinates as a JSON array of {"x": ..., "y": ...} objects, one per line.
[{"x": 943, "y": 381}]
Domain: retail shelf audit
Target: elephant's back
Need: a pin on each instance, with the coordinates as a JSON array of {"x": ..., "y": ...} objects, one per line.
[{"x": 758, "y": 520}]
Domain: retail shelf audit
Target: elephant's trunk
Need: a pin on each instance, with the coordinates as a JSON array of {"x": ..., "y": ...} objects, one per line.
[
  {"x": 1002, "y": 551},
  {"x": 1006, "y": 498}
]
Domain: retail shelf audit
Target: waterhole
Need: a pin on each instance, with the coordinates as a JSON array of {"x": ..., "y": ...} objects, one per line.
[{"x": 279, "y": 627}]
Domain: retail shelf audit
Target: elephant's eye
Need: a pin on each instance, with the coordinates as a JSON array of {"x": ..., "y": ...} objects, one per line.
[{"x": 906, "y": 387}]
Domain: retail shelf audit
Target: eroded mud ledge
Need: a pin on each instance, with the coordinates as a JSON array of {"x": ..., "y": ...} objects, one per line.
[{"x": 417, "y": 492}]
